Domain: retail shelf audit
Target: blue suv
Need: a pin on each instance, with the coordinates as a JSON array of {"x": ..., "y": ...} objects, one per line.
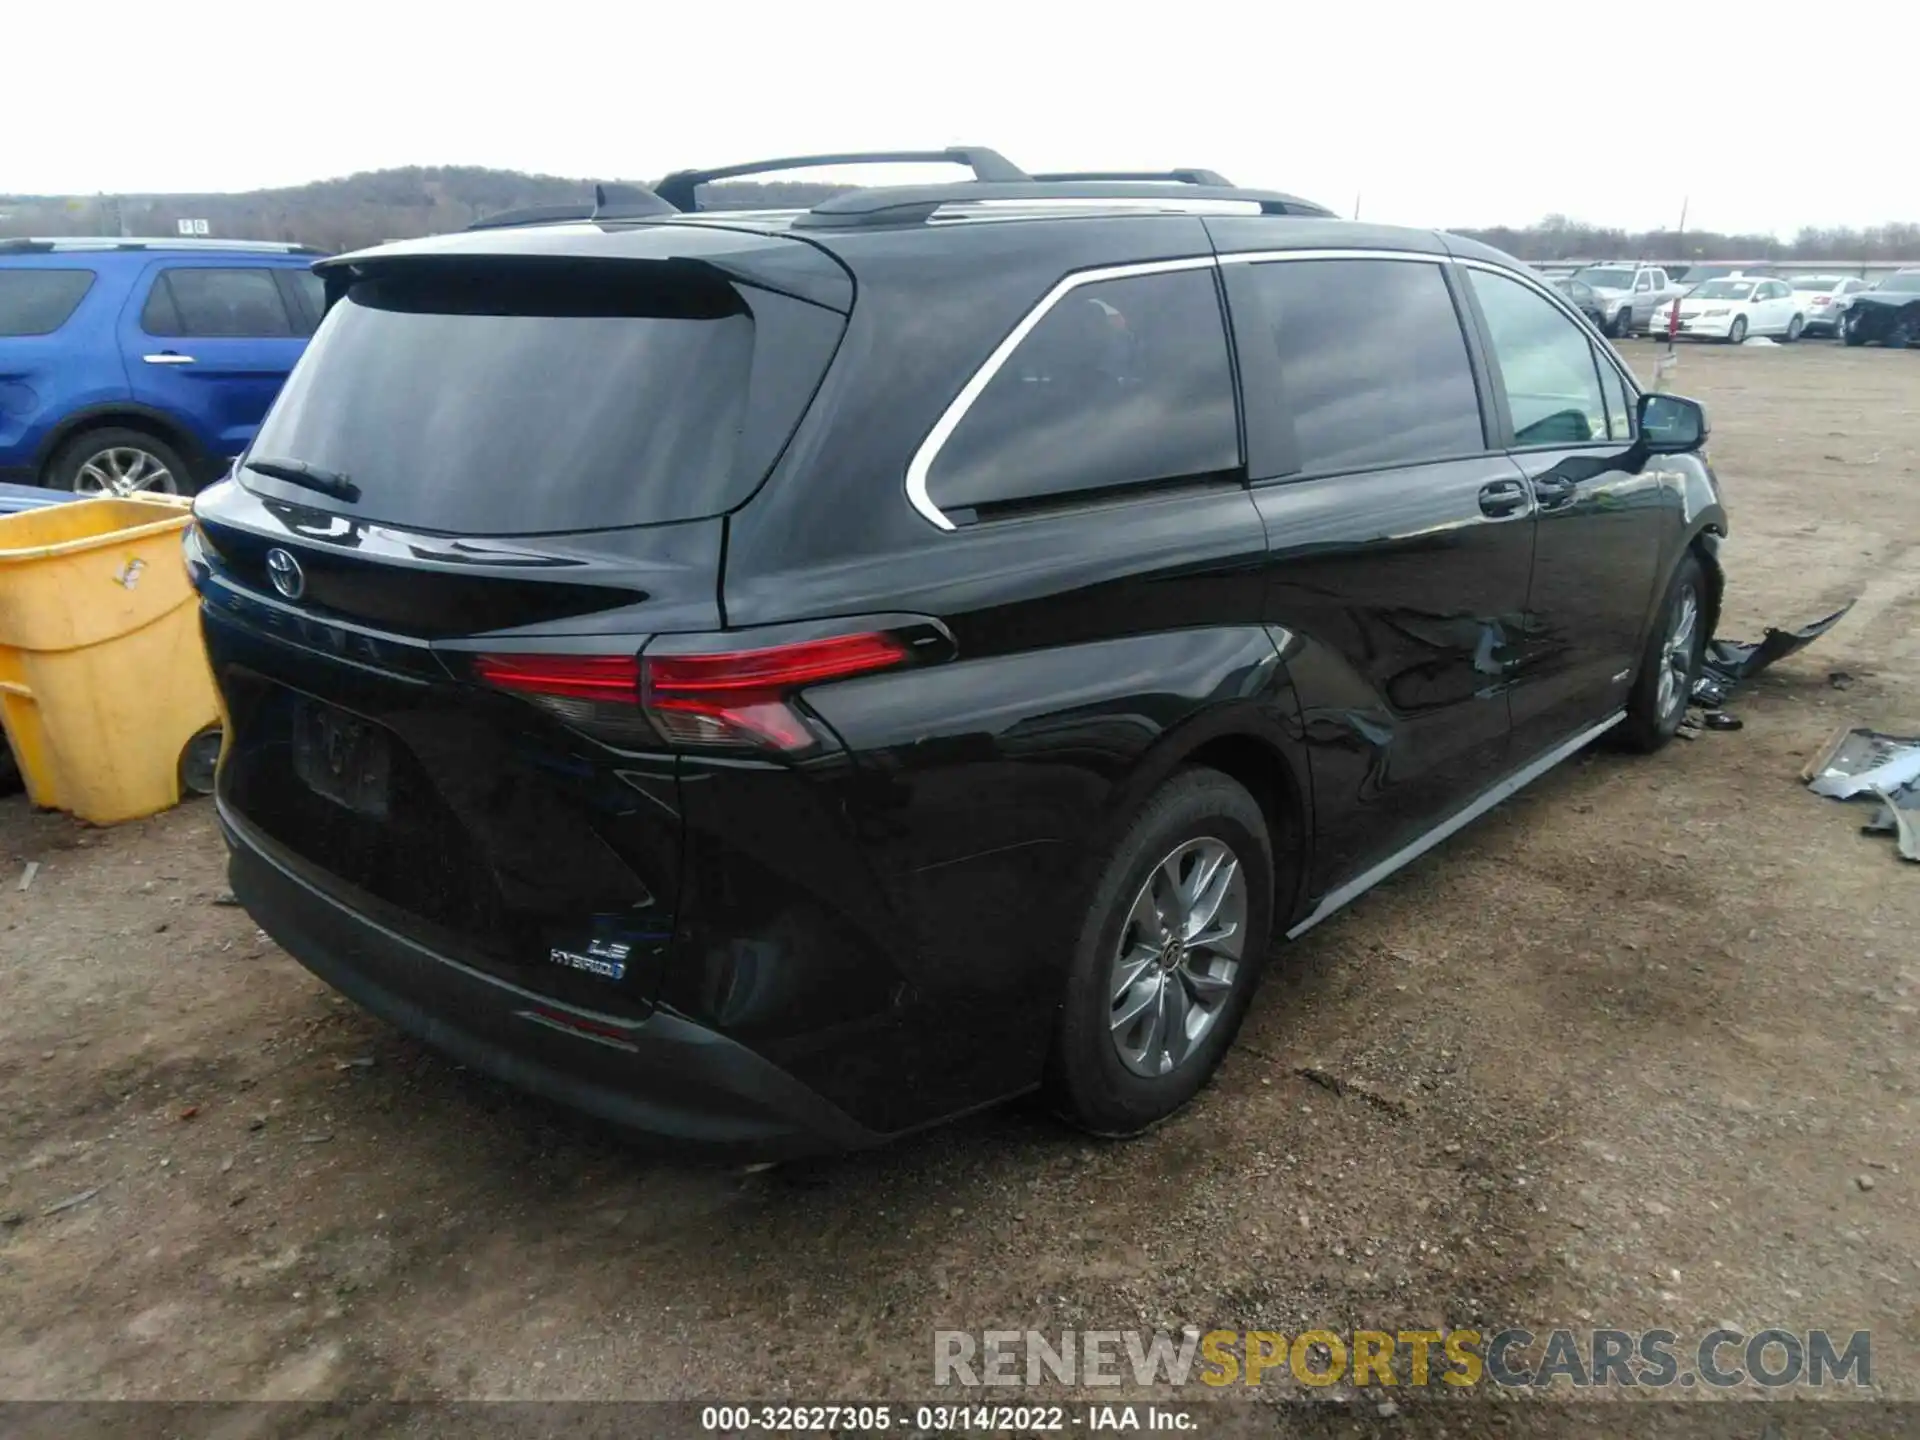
[{"x": 144, "y": 364}]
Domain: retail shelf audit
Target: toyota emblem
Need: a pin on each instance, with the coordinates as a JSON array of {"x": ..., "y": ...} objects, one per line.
[{"x": 285, "y": 573}]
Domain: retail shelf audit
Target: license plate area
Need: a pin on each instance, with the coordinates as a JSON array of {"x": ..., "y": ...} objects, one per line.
[{"x": 342, "y": 758}]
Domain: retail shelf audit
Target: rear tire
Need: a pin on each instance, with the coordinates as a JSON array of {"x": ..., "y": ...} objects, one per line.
[
  {"x": 1900, "y": 333},
  {"x": 1795, "y": 327},
  {"x": 1148, "y": 1014},
  {"x": 1670, "y": 664},
  {"x": 114, "y": 460}
]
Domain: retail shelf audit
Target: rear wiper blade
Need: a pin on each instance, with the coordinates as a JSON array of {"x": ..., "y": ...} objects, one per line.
[{"x": 312, "y": 477}]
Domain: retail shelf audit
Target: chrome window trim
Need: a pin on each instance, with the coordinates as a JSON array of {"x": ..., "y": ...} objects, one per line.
[
  {"x": 956, "y": 410},
  {"x": 957, "y": 211},
  {"x": 922, "y": 463},
  {"x": 1554, "y": 297},
  {"x": 1264, "y": 257}
]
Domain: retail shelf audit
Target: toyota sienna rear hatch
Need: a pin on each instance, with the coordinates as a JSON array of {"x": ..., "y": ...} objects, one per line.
[{"x": 499, "y": 471}]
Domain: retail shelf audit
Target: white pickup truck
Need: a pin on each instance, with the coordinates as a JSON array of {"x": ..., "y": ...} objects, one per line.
[{"x": 1630, "y": 295}]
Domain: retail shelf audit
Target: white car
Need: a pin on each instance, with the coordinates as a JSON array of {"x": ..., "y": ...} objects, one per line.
[
  {"x": 1736, "y": 306},
  {"x": 1826, "y": 298}
]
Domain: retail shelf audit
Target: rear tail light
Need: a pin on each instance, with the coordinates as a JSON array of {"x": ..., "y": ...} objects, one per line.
[
  {"x": 1822, "y": 300},
  {"x": 743, "y": 697},
  {"x": 733, "y": 699},
  {"x": 599, "y": 694}
]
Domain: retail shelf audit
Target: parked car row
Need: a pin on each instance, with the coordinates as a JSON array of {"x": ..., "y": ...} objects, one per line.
[
  {"x": 1729, "y": 303},
  {"x": 1888, "y": 314}
]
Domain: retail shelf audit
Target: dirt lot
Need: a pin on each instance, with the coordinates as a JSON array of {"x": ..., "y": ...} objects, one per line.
[{"x": 1636, "y": 1050}]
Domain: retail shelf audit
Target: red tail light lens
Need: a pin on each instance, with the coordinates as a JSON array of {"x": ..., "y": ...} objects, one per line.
[
  {"x": 725, "y": 698},
  {"x": 580, "y": 677},
  {"x": 598, "y": 694},
  {"x": 740, "y": 698}
]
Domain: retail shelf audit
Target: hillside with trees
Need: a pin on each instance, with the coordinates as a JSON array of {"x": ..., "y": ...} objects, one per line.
[
  {"x": 1559, "y": 238},
  {"x": 378, "y": 205},
  {"x": 347, "y": 213}
]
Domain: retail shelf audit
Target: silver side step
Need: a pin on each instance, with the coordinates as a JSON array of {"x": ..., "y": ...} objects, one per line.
[{"x": 1457, "y": 821}]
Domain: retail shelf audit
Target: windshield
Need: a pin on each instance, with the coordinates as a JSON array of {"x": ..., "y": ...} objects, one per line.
[
  {"x": 1906, "y": 282},
  {"x": 521, "y": 397},
  {"x": 1607, "y": 278},
  {"x": 1820, "y": 284},
  {"x": 1724, "y": 290}
]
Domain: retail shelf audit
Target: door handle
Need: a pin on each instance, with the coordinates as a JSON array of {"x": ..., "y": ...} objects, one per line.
[
  {"x": 1501, "y": 499},
  {"x": 1553, "y": 492},
  {"x": 168, "y": 357}
]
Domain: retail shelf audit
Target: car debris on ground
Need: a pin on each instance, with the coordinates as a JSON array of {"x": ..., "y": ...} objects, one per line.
[
  {"x": 1729, "y": 662},
  {"x": 1858, "y": 761}
]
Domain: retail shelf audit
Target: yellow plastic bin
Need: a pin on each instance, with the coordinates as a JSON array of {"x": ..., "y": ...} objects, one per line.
[{"x": 104, "y": 685}]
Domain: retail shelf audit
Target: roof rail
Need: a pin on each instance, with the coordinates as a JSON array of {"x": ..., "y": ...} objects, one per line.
[
  {"x": 1012, "y": 200},
  {"x": 43, "y": 243},
  {"x": 1180, "y": 177},
  {"x": 678, "y": 188}
]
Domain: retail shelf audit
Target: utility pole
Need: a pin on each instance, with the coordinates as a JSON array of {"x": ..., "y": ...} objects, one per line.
[{"x": 1356, "y": 204}]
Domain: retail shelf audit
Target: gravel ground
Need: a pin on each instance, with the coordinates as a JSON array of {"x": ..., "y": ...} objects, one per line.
[{"x": 1636, "y": 1050}]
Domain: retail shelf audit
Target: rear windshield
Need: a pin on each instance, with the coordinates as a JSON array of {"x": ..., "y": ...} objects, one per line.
[
  {"x": 531, "y": 396},
  {"x": 1608, "y": 279},
  {"x": 38, "y": 302},
  {"x": 1821, "y": 283}
]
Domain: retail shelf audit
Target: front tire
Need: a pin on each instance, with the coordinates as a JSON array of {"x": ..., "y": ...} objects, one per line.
[
  {"x": 1166, "y": 958},
  {"x": 1850, "y": 331},
  {"x": 1622, "y": 325},
  {"x": 1671, "y": 662},
  {"x": 115, "y": 461},
  {"x": 1737, "y": 332}
]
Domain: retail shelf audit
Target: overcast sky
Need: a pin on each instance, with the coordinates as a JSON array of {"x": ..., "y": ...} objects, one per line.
[{"x": 1433, "y": 115}]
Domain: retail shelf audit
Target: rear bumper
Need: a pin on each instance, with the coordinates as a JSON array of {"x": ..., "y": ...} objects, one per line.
[{"x": 665, "y": 1077}]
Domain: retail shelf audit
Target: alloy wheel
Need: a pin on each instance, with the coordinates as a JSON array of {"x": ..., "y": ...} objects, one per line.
[
  {"x": 1178, "y": 956},
  {"x": 1676, "y": 655},
  {"x": 124, "y": 470}
]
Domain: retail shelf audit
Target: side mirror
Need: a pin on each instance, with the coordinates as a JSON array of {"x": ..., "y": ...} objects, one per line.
[{"x": 1671, "y": 424}]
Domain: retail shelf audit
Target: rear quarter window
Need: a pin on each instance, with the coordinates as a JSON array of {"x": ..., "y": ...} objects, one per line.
[
  {"x": 38, "y": 302},
  {"x": 1121, "y": 382}
]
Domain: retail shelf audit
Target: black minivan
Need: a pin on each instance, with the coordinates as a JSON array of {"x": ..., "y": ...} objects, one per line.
[{"x": 778, "y": 680}]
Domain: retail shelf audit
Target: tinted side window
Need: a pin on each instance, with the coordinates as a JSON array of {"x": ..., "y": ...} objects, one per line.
[
  {"x": 1120, "y": 383},
  {"x": 38, "y": 302},
  {"x": 192, "y": 301},
  {"x": 313, "y": 290},
  {"x": 1546, "y": 365},
  {"x": 1620, "y": 403},
  {"x": 1373, "y": 363}
]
